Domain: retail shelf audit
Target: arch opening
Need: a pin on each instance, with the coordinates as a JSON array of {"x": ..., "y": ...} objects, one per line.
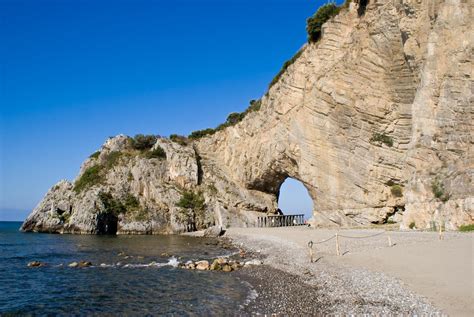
[{"x": 294, "y": 198}]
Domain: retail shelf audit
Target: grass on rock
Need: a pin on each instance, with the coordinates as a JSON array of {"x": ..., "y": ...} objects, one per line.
[{"x": 466, "y": 228}]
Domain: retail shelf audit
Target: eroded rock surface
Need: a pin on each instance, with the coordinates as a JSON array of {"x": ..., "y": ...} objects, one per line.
[{"x": 376, "y": 120}]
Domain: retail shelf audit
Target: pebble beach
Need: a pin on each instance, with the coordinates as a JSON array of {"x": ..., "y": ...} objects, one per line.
[{"x": 358, "y": 281}]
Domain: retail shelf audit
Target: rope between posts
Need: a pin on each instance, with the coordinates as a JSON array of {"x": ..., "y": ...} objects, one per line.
[
  {"x": 349, "y": 237},
  {"x": 337, "y": 235},
  {"x": 322, "y": 241},
  {"x": 364, "y": 237}
]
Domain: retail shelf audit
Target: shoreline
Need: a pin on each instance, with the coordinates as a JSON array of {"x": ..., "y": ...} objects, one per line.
[{"x": 369, "y": 277}]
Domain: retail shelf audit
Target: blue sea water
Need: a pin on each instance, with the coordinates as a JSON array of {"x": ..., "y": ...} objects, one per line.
[{"x": 126, "y": 285}]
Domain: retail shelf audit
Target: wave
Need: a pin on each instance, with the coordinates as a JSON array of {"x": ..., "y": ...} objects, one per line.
[
  {"x": 173, "y": 262},
  {"x": 251, "y": 296}
]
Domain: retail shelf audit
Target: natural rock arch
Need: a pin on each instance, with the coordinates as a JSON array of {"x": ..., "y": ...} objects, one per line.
[{"x": 369, "y": 119}]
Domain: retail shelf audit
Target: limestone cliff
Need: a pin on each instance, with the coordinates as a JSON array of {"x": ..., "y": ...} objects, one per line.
[{"x": 375, "y": 119}]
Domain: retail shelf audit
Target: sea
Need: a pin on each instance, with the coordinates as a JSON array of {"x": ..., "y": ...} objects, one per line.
[{"x": 130, "y": 275}]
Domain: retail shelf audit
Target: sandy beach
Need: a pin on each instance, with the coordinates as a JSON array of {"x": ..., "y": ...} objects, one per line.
[{"x": 418, "y": 274}]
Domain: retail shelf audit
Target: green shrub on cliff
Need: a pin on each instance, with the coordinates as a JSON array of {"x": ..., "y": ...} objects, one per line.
[
  {"x": 396, "y": 190},
  {"x": 466, "y": 228},
  {"x": 91, "y": 176},
  {"x": 118, "y": 206},
  {"x": 94, "y": 155},
  {"x": 192, "y": 209},
  {"x": 131, "y": 202},
  {"x": 437, "y": 187},
  {"x": 315, "y": 23},
  {"x": 201, "y": 133},
  {"x": 191, "y": 200},
  {"x": 95, "y": 174},
  {"x": 111, "y": 205},
  {"x": 382, "y": 138},
  {"x": 182, "y": 140},
  {"x": 158, "y": 153},
  {"x": 112, "y": 159},
  {"x": 232, "y": 119},
  {"x": 142, "y": 142},
  {"x": 254, "y": 105},
  {"x": 285, "y": 66}
]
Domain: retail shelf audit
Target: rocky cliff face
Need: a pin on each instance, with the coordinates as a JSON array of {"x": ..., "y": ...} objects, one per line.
[{"x": 375, "y": 119}]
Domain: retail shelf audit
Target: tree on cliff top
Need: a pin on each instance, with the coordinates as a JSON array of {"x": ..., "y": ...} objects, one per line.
[{"x": 315, "y": 23}]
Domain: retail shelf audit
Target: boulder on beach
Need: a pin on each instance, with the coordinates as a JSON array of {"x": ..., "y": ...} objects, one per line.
[{"x": 214, "y": 232}]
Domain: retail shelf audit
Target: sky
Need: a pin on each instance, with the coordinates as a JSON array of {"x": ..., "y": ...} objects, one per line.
[{"x": 73, "y": 73}]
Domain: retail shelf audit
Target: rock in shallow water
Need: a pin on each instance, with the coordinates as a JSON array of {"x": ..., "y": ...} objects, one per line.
[
  {"x": 215, "y": 265},
  {"x": 36, "y": 264},
  {"x": 226, "y": 268},
  {"x": 80, "y": 264},
  {"x": 202, "y": 265}
]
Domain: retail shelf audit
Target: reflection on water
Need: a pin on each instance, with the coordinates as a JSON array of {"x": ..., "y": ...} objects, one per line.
[{"x": 125, "y": 284}]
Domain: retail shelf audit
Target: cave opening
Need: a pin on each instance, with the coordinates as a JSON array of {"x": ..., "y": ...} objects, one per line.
[
  {"x": 107, "y": 223},
  {"x": 294, "y": 198}
]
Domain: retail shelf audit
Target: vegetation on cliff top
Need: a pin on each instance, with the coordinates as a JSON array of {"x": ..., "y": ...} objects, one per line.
[
  {"x": 314, "y": 28},
  {"x": 285, "y": 66},
  {"x": 139, "y": 145},
  {"x": 95, "y": 174},
  {"x": 90, "y": 177},
  {"x": 142, "y": 142},
  {"x": 94, "y": 155},
  {"x": 158, "y": 153},
  {"x": 315, "y": 23},
  {"x": 232, "y": 119},
  {"x": 180, "y": 139}
]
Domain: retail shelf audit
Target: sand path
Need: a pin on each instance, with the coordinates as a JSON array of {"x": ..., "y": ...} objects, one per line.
[{"x": 442, "y": 271}]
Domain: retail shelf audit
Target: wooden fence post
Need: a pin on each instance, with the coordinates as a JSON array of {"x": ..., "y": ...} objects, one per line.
[
  {"x": 389, "y": 240},
  {"x": 338, "y": 251}
]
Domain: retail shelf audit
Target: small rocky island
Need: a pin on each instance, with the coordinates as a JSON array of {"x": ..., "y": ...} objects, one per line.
[{"x": 374, "y": 116}]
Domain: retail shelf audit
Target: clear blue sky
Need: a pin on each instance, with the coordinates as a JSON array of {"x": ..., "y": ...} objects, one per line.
[{"x": 73, "y": 73}]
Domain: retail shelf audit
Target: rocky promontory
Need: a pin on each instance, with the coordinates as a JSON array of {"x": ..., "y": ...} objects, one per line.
[{"x": 375, "y": 118}]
